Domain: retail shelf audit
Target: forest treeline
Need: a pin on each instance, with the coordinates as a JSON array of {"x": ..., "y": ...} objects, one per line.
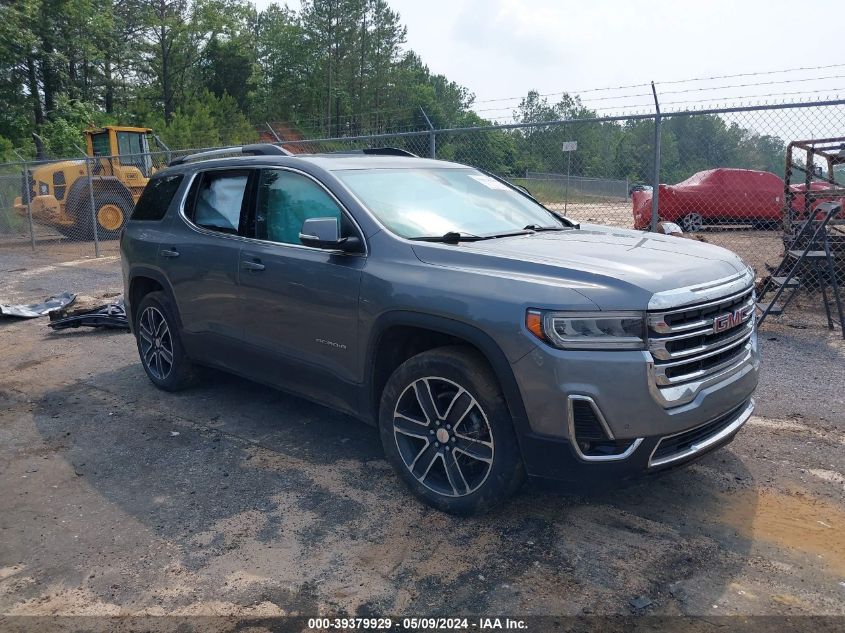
[{"x": 212, "y": 72}]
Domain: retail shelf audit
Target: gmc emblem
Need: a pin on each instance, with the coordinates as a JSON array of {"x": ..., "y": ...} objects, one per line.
[{"x": 727, "y": 321}]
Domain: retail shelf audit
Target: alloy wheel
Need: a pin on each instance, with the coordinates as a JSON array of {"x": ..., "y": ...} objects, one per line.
[
  {"x": 443, "y": 436},
  {"x": 692, "y": 222},
  {"x": 156, "y": 343}
]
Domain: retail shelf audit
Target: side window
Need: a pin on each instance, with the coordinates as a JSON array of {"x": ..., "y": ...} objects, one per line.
[
  {"x": 285, "y": 200},
  {"x": 218, "y": 199},
  {"x": 100, "y": 144},
  {"x": 153, "y": 203}
]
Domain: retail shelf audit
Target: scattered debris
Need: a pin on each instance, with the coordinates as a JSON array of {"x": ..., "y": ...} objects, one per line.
[
  {"x": 110, "y": 315},
  {"x": 30, "y": 311},
  {"x": 640, "y": 603},
  {"x": 174, "y": 433}
]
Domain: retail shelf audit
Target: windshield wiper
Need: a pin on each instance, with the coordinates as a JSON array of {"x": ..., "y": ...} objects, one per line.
[
  {"x": 537, "y": 227},
  {"x": 525, "y": 231},
  {"x": 452, "y": 237}
]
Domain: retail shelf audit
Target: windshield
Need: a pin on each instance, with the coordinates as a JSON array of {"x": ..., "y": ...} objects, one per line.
[{"x": 430, "y": 202}]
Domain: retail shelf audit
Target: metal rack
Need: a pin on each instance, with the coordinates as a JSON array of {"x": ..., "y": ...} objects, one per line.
[{"x": 808, "y": 251}]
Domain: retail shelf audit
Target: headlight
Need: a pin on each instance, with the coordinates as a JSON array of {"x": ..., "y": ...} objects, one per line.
[
  {"x": 43, "y": 189},
  {"x": 588, "y": 330}
]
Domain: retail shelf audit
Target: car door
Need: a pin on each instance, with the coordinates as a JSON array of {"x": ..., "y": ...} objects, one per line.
[
  {"x": 300, "y": 303},
  {"x": 200, "y": 258}
]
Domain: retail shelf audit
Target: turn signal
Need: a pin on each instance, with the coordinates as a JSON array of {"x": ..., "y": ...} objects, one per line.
[{"x": 534, "y": 323}]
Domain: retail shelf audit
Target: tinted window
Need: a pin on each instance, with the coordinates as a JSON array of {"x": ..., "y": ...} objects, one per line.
[
  {"x": 285, "y": 200},
  {"x": 156, "y": 197},
  {"x": 218, "y": 200}
]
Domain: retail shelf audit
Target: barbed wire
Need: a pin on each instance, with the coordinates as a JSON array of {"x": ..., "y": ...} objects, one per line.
[
  {"x": 747, "y": 85},
  {"x": 626, "y": 109},
  {"x": 672, "y": 82},
  {"x": 362, "y": 122},
  {"x": 752, "y": 74}
]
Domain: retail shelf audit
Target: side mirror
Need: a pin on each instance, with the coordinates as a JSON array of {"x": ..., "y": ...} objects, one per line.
[{"x": 324, "y": 233}]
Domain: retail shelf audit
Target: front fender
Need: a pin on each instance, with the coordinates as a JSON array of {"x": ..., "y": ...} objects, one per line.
[{"x": 467, "y": 332}]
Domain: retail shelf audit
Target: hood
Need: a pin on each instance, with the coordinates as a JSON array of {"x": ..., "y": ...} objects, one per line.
[{"x": 615, "y": 268}]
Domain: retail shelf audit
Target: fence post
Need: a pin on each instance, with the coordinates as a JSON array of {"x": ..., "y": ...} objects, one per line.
[
  {"x": 432, "y": 136},
  {"x": 655, "y": 192},
  {"x": 93, "y": 209},
  {"x": 568, "y": 166},
  {"x": 273, "y": 132},
  {"x": 29, "y": 204}
]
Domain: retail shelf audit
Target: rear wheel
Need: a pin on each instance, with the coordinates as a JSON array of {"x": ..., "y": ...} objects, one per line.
[
  {"x": 159, "y": 345},
  {"x": 692, "y": 222},
  {"x": 111, "y": 210},
  {"x": 446, "y": 429}
]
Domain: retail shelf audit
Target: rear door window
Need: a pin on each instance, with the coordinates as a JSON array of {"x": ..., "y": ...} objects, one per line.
[
  {"x": 218, "y": 200},
  {"x": 156, "y": 198}
]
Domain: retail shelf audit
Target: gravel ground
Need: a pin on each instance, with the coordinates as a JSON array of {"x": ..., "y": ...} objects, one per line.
[{"x": 235, "y": 499}]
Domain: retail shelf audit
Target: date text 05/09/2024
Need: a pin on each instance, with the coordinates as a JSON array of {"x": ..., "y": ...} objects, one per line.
[{"x": 417, "y": 624}]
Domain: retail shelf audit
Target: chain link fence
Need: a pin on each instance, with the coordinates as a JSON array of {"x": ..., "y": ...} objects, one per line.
[{"x": 720, "y": 176}]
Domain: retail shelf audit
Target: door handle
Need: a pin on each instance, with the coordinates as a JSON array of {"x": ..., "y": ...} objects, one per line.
[
  {"x": 170, "y": 253},
  {"x": 252, "y": 265}
]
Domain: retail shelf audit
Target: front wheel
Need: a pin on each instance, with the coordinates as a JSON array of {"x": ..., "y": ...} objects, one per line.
[
  {"x": 111, "y": 210},
  {"x": 446, "y": 429}
]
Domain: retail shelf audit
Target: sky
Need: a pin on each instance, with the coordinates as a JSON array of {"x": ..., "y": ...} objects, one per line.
[{"x": 503, "y": 48}]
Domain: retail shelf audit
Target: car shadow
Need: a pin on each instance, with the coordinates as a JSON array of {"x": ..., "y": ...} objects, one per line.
[{"x": 187, "y": 466}]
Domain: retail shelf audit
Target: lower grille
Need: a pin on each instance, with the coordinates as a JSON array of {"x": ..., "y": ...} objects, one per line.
[
  {"x": 684, "y": 445},
  {"x": 590, "y": 435},
  {"x": 587, "y": 426}
]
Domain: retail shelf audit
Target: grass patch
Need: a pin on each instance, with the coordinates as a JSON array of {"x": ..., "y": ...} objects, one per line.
[{"x": 554, "y": 192}]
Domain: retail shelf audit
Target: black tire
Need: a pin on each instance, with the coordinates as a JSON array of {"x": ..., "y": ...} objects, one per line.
[
  {"x": 80, "y": 210},
  {"x": 482, "y": 443},
  {"x": 113, "y": 199},
  {"x": 159, "y": 346}
]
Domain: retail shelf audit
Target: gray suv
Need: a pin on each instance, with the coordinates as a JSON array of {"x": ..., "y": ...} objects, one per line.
[{"x": 488, "y": 338}]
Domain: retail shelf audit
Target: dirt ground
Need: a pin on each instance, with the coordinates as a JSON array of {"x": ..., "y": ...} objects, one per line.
[
  {"x": 755, "y": 246},
  {"x": 235, "y": 499}
]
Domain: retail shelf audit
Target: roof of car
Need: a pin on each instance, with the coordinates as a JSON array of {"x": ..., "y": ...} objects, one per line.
[
  {"x": 328, "y": 162},
  {"x": 332, "y": 162}
]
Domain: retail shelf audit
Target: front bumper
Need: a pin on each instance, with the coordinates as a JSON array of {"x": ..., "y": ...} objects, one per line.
[
  {"x": 553, "y": 461},
  {"x": 634, "y": 412}
]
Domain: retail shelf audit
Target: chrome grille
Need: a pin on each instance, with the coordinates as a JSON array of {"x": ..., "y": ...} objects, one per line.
[{"x": 693, "y": 342}]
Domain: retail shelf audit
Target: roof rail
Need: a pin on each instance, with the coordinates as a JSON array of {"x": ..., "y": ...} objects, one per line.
[
  {"x": 378, "y": 151},
  {"x": 256, "y": 149}
]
